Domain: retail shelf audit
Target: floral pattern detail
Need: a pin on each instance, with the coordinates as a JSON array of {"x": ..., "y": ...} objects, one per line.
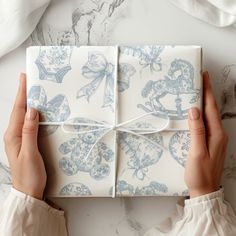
[
  {"x": 179, "y": 81},
  {"x": 142, "y": 153},
  {"x": 97, "y": 69},
  {"x": 75, "y": 189},
  {"x": 54, "y": 62},
  {"x": 154, "y": 188},
  {"x": 149, "y": 56},
  {"x": 183, "y": 193},
  {"x": 75, "y": 152},
  {"x": 57, "y": 109},
  {"x": 179, "y": 146}
]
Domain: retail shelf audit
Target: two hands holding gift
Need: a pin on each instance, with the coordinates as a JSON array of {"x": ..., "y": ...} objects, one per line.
[
  {"x": 114, "y": 121},
  {"x": 131, "y": 122},
  {"x": 114, "y": 118},
  {"x": 203, "y": 168}
]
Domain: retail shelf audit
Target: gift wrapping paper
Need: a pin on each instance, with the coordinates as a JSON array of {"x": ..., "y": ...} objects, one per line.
[{"x": 113, "y": 119}]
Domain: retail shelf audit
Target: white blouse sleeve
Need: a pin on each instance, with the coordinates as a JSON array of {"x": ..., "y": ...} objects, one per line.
[
  {"x": 207, "y": 215},
  {"x": 24, "y": 215}
]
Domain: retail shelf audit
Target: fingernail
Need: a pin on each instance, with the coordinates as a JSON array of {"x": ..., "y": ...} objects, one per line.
[
  {"x": 31, "y": 114},
  {"x": 22, "y": 75},
  {"x": 21, "y": 79},
  {"x": 194, "y": 113}
]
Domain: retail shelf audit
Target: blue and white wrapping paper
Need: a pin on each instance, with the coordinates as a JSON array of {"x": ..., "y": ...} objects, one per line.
[{"x": 110, "y": 85}]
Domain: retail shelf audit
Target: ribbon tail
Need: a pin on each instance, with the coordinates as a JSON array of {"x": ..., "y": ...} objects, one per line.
[
  {"x": 89, "y": 89},
  {"x": 108, "y": 100}
]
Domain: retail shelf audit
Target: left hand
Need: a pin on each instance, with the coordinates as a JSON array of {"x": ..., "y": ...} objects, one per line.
[{"x": 26, "y": 163}]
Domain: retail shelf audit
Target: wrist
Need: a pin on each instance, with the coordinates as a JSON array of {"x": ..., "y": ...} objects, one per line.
[
  {"x": 35, "y": 194},
  {"x": 201, "y": 192}
]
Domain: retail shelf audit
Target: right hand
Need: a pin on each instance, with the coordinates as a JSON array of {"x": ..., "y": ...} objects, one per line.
[{"x": 207, "y": 153}]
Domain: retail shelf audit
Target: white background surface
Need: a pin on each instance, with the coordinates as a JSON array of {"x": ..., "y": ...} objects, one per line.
[{"x": 137, "y": 22}]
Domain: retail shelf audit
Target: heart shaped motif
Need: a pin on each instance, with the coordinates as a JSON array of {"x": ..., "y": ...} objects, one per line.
[
  {"x": 179, "y": 146},
  {"x": 142, "y": 153},
  {"x": 57, "y": 109}
]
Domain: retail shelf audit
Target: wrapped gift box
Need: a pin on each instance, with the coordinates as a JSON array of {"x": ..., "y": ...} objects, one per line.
[{"x": 113, "y": 120}]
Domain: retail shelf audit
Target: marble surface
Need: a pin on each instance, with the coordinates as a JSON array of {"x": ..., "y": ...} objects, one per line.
[{"x": 108, "y": 22}]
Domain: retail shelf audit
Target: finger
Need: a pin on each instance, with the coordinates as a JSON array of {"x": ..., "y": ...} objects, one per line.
[
  {"x": 30, "y": 131},
  {"x": 211, "y": 114},
  {"x": 18, "y": 112},
  {"x": 197, "y": 132}
]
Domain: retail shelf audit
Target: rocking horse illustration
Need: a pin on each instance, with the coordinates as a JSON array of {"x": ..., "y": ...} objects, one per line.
[{"x": 179, "y": 81}]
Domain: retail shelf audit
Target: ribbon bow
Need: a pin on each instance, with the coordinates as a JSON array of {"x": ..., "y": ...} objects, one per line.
[
  {"x": 98, "y": 69},
  {"x": 120, "y": 127}
]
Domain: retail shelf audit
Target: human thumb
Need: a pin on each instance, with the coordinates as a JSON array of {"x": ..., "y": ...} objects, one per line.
[
  {"x": 197, "y": 131},
  {"x": 30, "y": 130}
]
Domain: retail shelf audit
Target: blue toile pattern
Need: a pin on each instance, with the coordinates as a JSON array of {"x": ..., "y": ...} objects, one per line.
[
  {"x": 57, "y": 109},
  {"x": 125, "y": 72},
  {"x": 148, "y": 56},
  {"x": 180, "y": 80},
  {"x": 98, "y": 69},
  {"x": 182, "y": 193},
  {"x": 123, "y": 188},
  {"x": 54, "y": 63},
  {"x": 76, "y": 158},
  {"x": 179, "y": 146},
  {"x": 75, "y": 189},
  {"x": 141, "y": 153},
  {"x": 167, "y": 89}
]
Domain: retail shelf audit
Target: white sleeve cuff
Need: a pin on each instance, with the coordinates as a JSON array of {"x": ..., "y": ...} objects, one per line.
[
  {"x": 36, "y": 202},
  {"x": 24, "y": 215}
]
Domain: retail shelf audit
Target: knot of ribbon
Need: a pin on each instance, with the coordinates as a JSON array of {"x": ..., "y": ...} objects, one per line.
[{"x": 120, "y": 127}]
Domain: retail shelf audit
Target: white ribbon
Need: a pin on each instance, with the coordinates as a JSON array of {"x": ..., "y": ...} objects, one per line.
[{"x": 100, "y": 125}]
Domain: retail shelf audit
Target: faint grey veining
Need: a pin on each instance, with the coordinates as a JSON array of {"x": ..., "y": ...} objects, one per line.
[
  {"x": 92, "y": 23},
  {"x": 230, "y": 169},
  {"x": 5, "y": 176},
  {"x": 228, "y": 94},
  {"x": 134, "y": 225}
]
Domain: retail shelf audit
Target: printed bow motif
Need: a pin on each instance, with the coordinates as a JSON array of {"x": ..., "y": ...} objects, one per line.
[
  {"x": 179, "y": 146},
  {"x": 149, "y": 56},
  {"x": 98, "y": 69}
]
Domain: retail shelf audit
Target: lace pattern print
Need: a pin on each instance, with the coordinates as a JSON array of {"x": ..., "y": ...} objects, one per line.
[{"x": 53, "y": 63}]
